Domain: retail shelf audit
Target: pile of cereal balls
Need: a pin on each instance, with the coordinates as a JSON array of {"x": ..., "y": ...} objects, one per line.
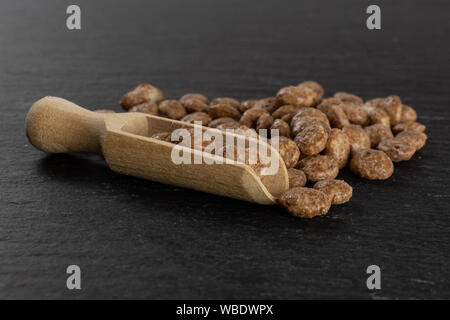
[{"x": 318, "y": 136}]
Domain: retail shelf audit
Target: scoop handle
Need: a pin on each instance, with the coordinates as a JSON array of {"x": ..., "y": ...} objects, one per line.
[{"x": 56, "y": 125}]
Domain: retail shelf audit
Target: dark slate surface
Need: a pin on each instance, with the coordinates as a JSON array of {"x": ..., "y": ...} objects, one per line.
[{"x": 139, "y": 239}]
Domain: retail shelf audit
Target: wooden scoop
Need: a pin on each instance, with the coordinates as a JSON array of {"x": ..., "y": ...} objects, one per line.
[{"x": 56, "y": 125}]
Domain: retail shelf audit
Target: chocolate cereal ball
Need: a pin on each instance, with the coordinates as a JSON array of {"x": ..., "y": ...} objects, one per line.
[
  {"x": 338, "y": 147},
  {"x": 222, "y": 110},
  {"x": 393, "y": 107},
  {"x": 251, "y": 116},
  {"x": 229, "y": 101},
  {"x": 407, "y": 126},
  {"x": 355, "y": 113},
  {"x": 378, "y": 132},
  {"x": 146, "y": 107},
  {"x": 371, "y": 164},
  {"x": 305, "y": 202},
  {"x": 312, "y": 140},
  {"x": 396, "y": 150},
  {"x": 408, "y": 114},
  {"x": 143, "y": 93},
  {"x": 319, "y": 167},
  {"x": 348, "y": 97},
  {"x": 173, "y": 109},
  {"x": 288, "y": 151},
  {"x": 194, "y": 96},
  {"x": 300, "y": 123},
  {"x": 217, "y": 122},
  {"x": 358, "y": 138},
  {"x": 413, "y": 138},
  {"x": 282, "y": 127},
  {"x": 338, "y": 191},
  {"x": 297, "y": 178},
  {"x": 203, "y": 117}
]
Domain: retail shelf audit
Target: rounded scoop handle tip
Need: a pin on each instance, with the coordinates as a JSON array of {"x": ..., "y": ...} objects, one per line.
[{"x": 56, "y": 125}]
